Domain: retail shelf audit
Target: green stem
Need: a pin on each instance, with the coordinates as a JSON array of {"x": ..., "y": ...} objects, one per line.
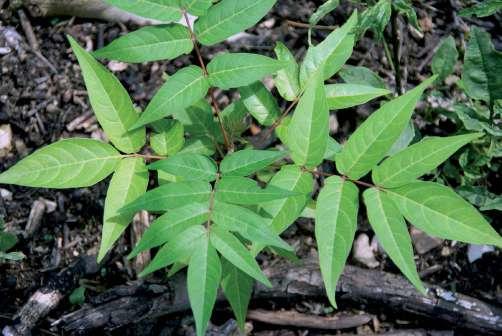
[
  {"x": 281, "y": 118},
  {"x": 396, "y": 46},
  {"x": 309, "y": 26},
  {"x": 214, "y": 102},
  {"x": 388, "y": 54},
  {"x": 145, "y": 156},
  {"x": 365, "y": 184},
  {"x": 211, "y": 202}
]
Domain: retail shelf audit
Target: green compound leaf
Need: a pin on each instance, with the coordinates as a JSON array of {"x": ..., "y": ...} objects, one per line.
[
  {"x": 407, "y": 136},
  {"x": 77, "y": 297},
  {"x": 162, "y": 10},
  {"x": 199, "y": 121},
  {"x": 110, "y": 101},
  {"x": 232, "y": 249},
  {"x": 181, "y": 90},
  {"x": 329, "y": 55},
  {"x": 483, "y": 8},
  {"x": 202, "y": 145},
  {"x": 170, "y": 225},
  {"x": 373, "y": 139},
  {"x": 237, "y": 287},
  {"x": 405, "y": 8},
  {"x": 247, "y": 223},
  {"x": 287, "y": 79},
  {"x": 232, "y": 70},
  {"x": 361, "y": 76},
  {"x": 152, "y": 43},
  {"x": 243, "y": 190},
  {"x": 171, "y": 196},
  {"x": 178, "y": 249},
  {"x": 392, "y": 233},
  {"x": 281, "y": 131},
  {"x": 332, "y": 149},
  {"x": 323, "y": 10},
  {"x": 203, "y": 279},
  {"x": 187, "y": 167},
  {"x": 495, "y": 204},
  {"x": 443, "y": 62},
  {"x": 197, "y": 7},
  {"x": 260, "y": 103},
  {"x": 335, "y": 227},
  {"x": 285, "y": 211},
  {"x": 229, "y": 17},
  {"x": 309, "y": 130},
  {"x": 375, "y": 18},
  {"x": 70, "y": 163},
  {"x": 440, "y": 212},
  {"x": 235, "y": 118},
  {"x": 168, "y": 138},
  {"x": 12, "y": 256},
  {"x": 340, "y": 96},
  {"x": 482, "y": 68},
  {"x": 7, "y": 240},
  {"x": 418, "y": 159},
  {"x": 248, "y": 161},
  {"x": 129, "y": 181}
]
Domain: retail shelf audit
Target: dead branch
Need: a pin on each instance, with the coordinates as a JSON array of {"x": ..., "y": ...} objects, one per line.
[
  {"x": 96, "y": 9},
  {"x": 296, "y": 319},
  {"x": 130, "y": 304}
]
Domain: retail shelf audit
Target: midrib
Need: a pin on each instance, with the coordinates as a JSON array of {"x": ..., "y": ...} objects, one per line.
[
  {"x": 383, "y": 129},
  {"x": 432, "y": 210},
  {"x": 391, "y": 235},
  {"x": 211, "y": 28},
  {"x": 119, "y": 121},
  {"x": 427, "y": 156}
]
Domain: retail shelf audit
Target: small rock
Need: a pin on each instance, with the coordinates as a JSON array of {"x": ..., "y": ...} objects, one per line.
[
  {"x": 50, "y": 206},
  {"x": 191, "y": 20},
  {"x": 475, "y": 252},
  {"x": 240, "y": 37},
  {"x": 52, "y": 108},
  {"x": 5, "y": 139},
  {"x": 426, "y": 24},
  {"x": 5, "y": 194},
  {"x": 98, "y": 134},
  {"x": 445, "y": 251},
  {"x": 423, "y": 242},
  {"x": 333, "y": 124},
  {"x": 451, "y": 80},
  {"x": 364, "y": 252},
  {"x": 12, "y": 38},
  {"x": 117, "y": 66},
  {"x": 21, "y": 148},
  {"x": 268, "y": 23},
  {"x": 5, "y": 50},
  {"x": 269, "y": 83}
]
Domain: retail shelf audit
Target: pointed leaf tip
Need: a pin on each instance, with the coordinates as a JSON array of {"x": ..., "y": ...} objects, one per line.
[
  {"x": 335, "y": 228},
  {"x": 110, "y": 102},
  {"x": 376, "y": 135}
]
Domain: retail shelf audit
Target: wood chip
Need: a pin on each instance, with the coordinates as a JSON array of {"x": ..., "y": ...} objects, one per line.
[
  {"x": 35, "y": 218},
  {"x": 5, "y": 139},
  {"x": 424, "y": 243},
  {"x": 364, "y": 252},
  {"x": 296, "y": 319},
  {"x": 140, "y": 223}
]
